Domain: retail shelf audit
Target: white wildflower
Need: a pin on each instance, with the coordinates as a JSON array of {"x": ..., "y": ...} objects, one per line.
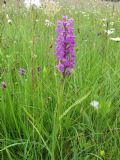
[
  {"x": 117, "y": 39},
  {"x": 4, "y": 5},
  {"x": 104, "y": 19},
  {"x": 9, "y": 21},
  {"x": 37, "y": 20},
  {"x": 95, "y": 104},
  {"x": 29, "y": 3},
  {"x": 104, "y": 25},
  {"x": 110, "y": 31},
  {"x": 7, "y": 16},
  {"x": 48, "y": 23},
  {"x": 111, "y": 23}
]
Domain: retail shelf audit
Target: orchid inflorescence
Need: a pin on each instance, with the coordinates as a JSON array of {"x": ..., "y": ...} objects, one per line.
[{"x": 65, "y": 44}]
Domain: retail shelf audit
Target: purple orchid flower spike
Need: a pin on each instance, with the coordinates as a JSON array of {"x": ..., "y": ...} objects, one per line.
[{"x": 65, "y": 44}]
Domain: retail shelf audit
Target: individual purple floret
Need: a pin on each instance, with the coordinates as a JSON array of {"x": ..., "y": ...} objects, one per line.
[
  {"x": 3, "y": 85},
  {"x": 65, "y": 44},
  {"x": 22, "y": 71}
]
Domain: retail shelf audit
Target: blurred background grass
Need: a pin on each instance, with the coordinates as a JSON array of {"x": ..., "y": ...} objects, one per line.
[{"x": 84, "y": 4}]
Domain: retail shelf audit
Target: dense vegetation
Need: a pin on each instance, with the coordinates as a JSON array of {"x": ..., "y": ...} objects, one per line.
[{"x": 43, "y": 117}]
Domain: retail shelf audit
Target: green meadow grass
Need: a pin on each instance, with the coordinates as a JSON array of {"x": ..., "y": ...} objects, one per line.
[{"x": 42, "y": 117}]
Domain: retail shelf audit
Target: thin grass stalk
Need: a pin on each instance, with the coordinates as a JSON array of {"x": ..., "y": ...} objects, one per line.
[
  {"x": 57, "y": 129},
  {"x": 33, "y": 67}
]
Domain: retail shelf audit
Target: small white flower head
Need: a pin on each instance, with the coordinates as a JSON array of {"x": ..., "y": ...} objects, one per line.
[
  {"x": 9, "y": 21},
  {"x": 117, "y": 39},
  {"x": 110, "y": 31},
  {"x": 104, "y": 25},
  {"x": 48, "y": 23},
  {"x": 29, "y": 3},
  {"x": 95, "y": 104},
  {"x": 111, "y": 23},
  {"x": 104, "y": 19},
  {"x": 7, "y": 16},
  {"x": 37, "y": 20}
]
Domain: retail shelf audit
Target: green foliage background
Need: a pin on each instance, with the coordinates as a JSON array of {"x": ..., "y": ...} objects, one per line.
[{"x": 54, "y": 120}]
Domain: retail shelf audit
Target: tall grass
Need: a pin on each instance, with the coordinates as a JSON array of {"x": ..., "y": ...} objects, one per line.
[{"x": 41, "y": 120}]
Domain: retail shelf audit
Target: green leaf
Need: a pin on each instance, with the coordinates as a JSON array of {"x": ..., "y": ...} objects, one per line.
[{"x": 74, "y": 104}]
